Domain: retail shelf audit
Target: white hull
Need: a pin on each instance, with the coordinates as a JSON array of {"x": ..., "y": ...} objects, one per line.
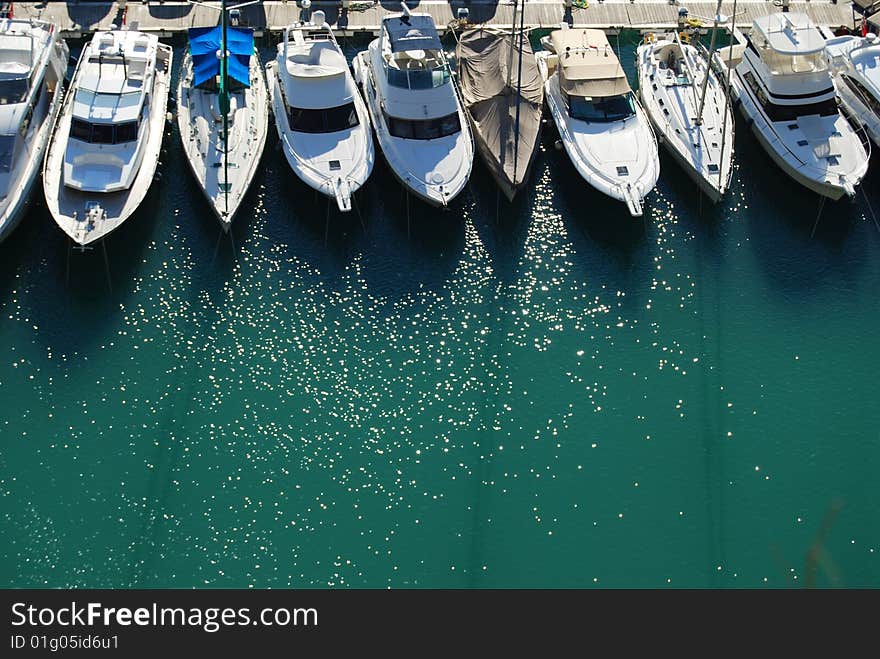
[
  {"x": 24, "y": 173},
  {"x": 201, "y": 129},
  {"x": 434, "y": 171},
  {"x": 828, "y": 182},
  {"x": 704, "y": 149},
  {"x": 855, "y": 62},
  {"x": 599, "y": 150},
  {"x": 308, "y": 154},
  {"x": 69, "y": 206}
]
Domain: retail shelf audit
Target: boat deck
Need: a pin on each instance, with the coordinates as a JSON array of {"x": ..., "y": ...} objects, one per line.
[{"x": 167, "y": 18}]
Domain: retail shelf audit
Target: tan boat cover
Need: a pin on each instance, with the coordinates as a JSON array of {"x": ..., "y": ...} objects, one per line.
[
  {"x": 483, "y": 57},
  {"x": 587, "y": 64}
]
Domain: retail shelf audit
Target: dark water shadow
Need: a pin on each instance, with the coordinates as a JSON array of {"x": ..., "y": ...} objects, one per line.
[
  {"x": 795, "y": 252},
  {"x": 611, "y": 245},
  {"x": 481, "y": 11}
]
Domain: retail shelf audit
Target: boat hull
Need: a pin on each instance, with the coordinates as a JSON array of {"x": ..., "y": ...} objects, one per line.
[
  {"x": 200, "y": 133},
  {"x": 70, "y": 207},
  {"x": 20, "y": 198},
  {"x": 460, "y": 145},
  {"x": 780, "y": 152},
  {"x": 672, "y": 109},
  {"x": 343, "y": 185}
]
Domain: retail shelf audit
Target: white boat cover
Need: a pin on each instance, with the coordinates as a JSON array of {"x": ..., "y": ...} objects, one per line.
[{"x": 484, "y": 64}]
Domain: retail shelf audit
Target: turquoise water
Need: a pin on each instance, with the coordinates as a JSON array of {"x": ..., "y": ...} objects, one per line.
[{"x": 547, "y": 393}]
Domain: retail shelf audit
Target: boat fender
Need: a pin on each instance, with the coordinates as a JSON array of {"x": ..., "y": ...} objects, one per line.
[{"x": 168, "y": 117}]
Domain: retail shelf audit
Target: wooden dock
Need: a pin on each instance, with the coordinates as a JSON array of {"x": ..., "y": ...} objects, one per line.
[{"x": 168, "y": 18}]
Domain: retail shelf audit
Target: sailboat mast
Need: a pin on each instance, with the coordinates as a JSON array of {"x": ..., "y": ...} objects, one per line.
[
  {"x": 522, "y": 36},
  {"x": 709, "y": 64},
  {"x": 512, "y": 33},
  {"x": 224, "y": 103}
]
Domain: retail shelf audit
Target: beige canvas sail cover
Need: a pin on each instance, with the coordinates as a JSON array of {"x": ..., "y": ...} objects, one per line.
[
  {"x": 507, "y": 120},
  {"x": 587, "y": 64}
]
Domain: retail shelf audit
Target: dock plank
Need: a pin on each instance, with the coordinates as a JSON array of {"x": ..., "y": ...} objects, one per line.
[{"x": 80, "y": 18}]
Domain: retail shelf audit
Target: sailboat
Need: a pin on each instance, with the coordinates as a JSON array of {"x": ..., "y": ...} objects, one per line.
[
  {"x": 33, "y": 59},
  {"x": 223, "y": 112},
  {"x": 503, "y": 94},
  {"x": 105, "y": 146},
  {"x": 687, "y": 104}
]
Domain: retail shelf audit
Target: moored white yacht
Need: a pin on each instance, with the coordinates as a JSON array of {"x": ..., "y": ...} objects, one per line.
[
  {"x": 601, "y": 123},
  {"x": 414, "y": 107},
  {"x": 688, "y": 107},
  {"x": 784, "y": 87},
  {"x": 222, "y": 113},
  {"x": 322, "y": 120},
  {"x": 855, "y": 62},
  {"x": 106, "y": 142},
  {"x": 33, "y": 59}
]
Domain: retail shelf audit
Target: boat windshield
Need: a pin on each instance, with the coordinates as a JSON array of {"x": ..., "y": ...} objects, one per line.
[
  {"x": 126, "y": 131},
  {"x": 13, "y": 90},
  {"x": 780, "y": 64},
  {"x": 423, "y": 129},
  {"x": 7, "y": 152},
  {"x": 417, "y": 70},
  {"x": 610, "y": 108},
  {"x": 323, "y": 120}
]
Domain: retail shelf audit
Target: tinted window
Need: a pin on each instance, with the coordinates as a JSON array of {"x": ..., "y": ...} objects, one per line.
[
  {"x": 863, "y": 94},
  {"x": 612, "y": 108},
  {"x": 13, "y": 91},
  {"x": 330, "y": 120},
  {"x": 7, "y": 151},
  {"x": 81, "y": 130},
  {"x": 125, "y": 132},
  {"x": 423, "y": 129},
  {"x": 777, "y": 112},
  {"x": 104, "y": 133}
]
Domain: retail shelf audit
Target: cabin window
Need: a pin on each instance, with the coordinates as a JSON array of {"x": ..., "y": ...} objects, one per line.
[
  {"x": 610, "y": 108},
  {"x": 121, "y": 133},
  {"x": 14, "y": 90},
  {"x": 7, "y": 152},
  {"x": 324, "y": 120},
  {"x": 776, "y": 112},
  {"x": 865, "y": 96},
  {"x": 423, "y": 129}
]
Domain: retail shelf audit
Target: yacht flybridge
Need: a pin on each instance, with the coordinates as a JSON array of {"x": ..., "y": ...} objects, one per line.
[
  {"x": 601, "y": 124},
  {"x": 33, "y": 59},
  {"x": 688, "y": 107},
  {"x": 321, "y": 118},
  {"x": 415, "y": 109},
  {"x": 855, "y": 62},
  {"x": 105, "y": 147},
  {"x": 222, "y": 113},
  {"x": 785, "y": 90}
]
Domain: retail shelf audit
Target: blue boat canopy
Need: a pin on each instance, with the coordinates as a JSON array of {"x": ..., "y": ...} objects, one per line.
[{"x": 204, "y": 42}]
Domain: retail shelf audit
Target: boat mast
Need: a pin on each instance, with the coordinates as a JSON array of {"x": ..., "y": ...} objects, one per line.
[
  {"x": 709, "y": 63},
  {"x": 224, "y": 105},
  {"x": 522, "y": 33}
]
